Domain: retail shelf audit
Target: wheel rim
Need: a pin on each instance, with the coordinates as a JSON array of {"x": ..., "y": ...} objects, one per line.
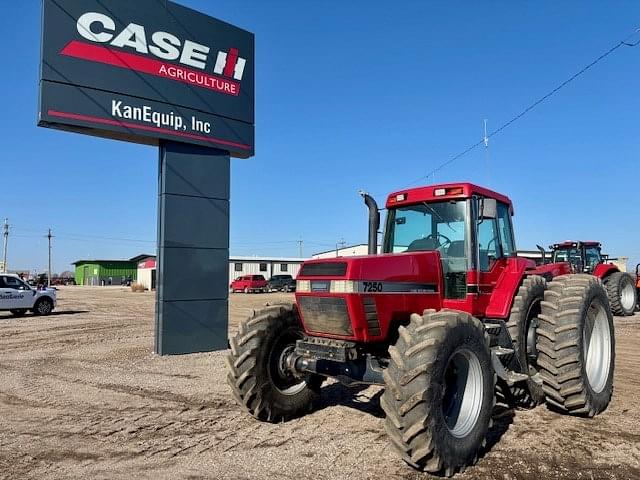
[
  {"x": 531, "y": 337},
  {"x": 596, "y": 338},
  {"x": 463, "y": 393},
  {"x": 281, "y": 377},
  {"x": 627, "y": 296},
  {"x": 43, "y": 308}
]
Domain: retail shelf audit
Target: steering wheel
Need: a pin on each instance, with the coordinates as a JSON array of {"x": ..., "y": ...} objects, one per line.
[
  {"x": 436, "y": 236},
  {"x": 493, "y": 240}
]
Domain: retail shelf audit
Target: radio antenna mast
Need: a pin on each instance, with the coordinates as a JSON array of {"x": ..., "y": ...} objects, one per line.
[{"x": 486, "y": 152}]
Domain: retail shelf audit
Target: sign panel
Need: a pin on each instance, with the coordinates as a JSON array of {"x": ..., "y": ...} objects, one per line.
[{"x": 146, "y": 70}]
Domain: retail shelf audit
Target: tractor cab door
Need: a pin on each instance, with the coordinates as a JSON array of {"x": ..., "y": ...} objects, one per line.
[
  {"x": 592, "y": 258},
  {"x": 494, "y": 237}
]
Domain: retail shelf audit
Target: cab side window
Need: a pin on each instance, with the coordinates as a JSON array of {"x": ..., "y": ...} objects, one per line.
[
  {"x": 505, "y": 230},
  {"x": 2, "y": 284},
  {"x": 488, "y": 243},
  {"x": 593, "y": 257}
]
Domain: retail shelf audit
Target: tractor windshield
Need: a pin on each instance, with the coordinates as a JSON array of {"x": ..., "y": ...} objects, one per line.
[
  {"x": 437, "y": 226},
  {"x": 571, "y": 255}
]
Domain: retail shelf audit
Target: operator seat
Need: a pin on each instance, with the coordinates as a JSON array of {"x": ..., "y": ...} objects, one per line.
[
  {"x": 456, "y": 249},
  {"x": 455, "y": 260},
  {"x": 423, "y": 244}
]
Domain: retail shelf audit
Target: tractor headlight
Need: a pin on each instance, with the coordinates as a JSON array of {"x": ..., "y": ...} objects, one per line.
[
  {"x": 303, "y": 286},
  {"x": 342, "y": 286}
]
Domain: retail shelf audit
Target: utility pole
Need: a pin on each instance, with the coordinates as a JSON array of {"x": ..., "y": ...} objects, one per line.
[
  {"x": 6, "y": 242},
  {"x": 300, "y": 243},
  {"x": 49, "y": 237}
]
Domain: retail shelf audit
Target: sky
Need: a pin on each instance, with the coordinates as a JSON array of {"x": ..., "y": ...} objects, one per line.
[{"x": 357, "y": 95}]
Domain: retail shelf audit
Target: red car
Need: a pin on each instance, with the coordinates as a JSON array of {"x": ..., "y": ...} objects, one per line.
[{"x": 249, "y": 283}]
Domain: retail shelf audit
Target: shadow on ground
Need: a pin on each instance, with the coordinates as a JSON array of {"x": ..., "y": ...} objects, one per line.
[
  {"x": 337, "y": 394},
  {"x": 56, "y": 313}
]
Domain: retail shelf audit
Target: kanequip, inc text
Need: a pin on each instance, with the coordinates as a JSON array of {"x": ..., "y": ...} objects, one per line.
[{"x": 147, "y": 114}]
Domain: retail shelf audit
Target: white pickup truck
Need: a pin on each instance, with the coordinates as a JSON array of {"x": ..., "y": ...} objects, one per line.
[{"x": 18, "y": 298}]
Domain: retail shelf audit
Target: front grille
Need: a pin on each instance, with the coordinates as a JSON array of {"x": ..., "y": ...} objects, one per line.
[
  {"x": 373, "y": 326},
  {"x": 325, "y": 315},
  {"x": 330, "y": 268}
]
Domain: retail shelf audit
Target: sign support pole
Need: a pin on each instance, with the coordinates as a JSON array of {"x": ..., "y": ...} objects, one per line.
[{"x": 193, "y": 249}]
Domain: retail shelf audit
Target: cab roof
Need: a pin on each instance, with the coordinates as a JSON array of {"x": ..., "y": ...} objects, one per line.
[
  {"x": 439, "y": 192},
  {"x": 575, "y": 243}
]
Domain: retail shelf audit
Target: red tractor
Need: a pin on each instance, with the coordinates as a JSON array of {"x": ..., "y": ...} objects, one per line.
[
  {"x": 445, "y": 317},
  {"x": 586, "y": 257}
]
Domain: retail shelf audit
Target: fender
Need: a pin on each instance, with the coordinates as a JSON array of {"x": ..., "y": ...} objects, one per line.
[
  {"x": 508, "y": 283},
  {"x": 603, "y": 270},
  {"x": 551, "y": 270}
]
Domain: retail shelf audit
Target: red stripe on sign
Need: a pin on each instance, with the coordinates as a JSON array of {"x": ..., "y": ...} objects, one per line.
[
  {"x": 133, "y": 126},
  {"x": 232, "y": 59},
  {"x": 142, "y": 64}
]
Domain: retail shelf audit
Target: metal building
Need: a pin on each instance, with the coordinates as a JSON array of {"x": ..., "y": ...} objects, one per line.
[
  {"x": 266, "y": 266},
  {"x": 107, "y": 272}
]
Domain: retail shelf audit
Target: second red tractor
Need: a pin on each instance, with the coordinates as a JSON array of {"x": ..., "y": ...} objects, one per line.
[
  {"x": 444, "y": 317},
  {"x": 586, "y": 257}
]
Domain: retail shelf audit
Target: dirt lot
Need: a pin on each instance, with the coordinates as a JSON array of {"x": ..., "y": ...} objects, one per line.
[{"x": 83, "y": 396}]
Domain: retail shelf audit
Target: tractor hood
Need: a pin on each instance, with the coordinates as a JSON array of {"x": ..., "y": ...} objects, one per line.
[
  {"x": 410, "y": 272},
  {"x": 361, "y": 298}
]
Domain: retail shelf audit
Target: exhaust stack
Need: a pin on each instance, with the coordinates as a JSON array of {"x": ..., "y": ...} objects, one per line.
[{"x": 374, "y": 222}]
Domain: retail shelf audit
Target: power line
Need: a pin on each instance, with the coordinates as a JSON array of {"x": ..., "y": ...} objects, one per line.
[{"x": 514, "y": 119}]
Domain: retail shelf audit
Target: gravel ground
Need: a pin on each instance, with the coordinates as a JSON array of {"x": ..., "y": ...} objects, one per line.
[{"x": 83, "y": 396}]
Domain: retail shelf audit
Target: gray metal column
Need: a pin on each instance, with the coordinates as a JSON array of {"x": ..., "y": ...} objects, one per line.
[{"x": 193, "y": 249}]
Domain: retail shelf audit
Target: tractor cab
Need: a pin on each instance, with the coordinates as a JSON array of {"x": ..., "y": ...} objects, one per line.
[
  {"x": 469, "y": 226},
  {"x": 583, "y": 257}
]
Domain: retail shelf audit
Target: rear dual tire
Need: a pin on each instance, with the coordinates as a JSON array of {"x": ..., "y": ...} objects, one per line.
[
  {"x": 576, "y": 345},
  {"x": 522, "y": 324},
  {"x": 439, "y": 393},
  {"x": 621, "y": 290}
]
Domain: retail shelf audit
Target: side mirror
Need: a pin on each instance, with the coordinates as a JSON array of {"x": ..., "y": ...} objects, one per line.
[{"x": 489, "y": 208}]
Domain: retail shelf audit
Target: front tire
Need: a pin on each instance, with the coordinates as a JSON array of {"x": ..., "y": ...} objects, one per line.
[
  {"x": 258, "y": 376},
  {"x": 621, "y": 290},
  {"x": 576, "y": 345},
  {"x": 439, "y": 392},
  {"x": 43, "y": 306}
]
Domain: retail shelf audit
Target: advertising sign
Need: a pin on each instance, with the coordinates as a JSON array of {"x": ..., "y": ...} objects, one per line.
[{"x": 147, "y": 70}]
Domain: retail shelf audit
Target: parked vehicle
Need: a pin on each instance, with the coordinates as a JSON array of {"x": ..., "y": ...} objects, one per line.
[
  {"x": 249, "y": 283},
  {"x": 443, "y": 318},
  {"x": 281, "y": 283},
  {"x": 17, "y": 297},
  {"x": 586, "y": 257}
]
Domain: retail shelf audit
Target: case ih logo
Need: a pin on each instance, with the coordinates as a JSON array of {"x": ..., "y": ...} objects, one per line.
[{"x": 101, "y": 29}]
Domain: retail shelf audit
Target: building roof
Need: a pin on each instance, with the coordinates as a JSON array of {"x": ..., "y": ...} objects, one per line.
[
  {"x": 342, "y": 248},
  {"x": 241, "y": 258},
  {"x": 135, "y": 260},
  {"x": 142, "y": 256}
]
